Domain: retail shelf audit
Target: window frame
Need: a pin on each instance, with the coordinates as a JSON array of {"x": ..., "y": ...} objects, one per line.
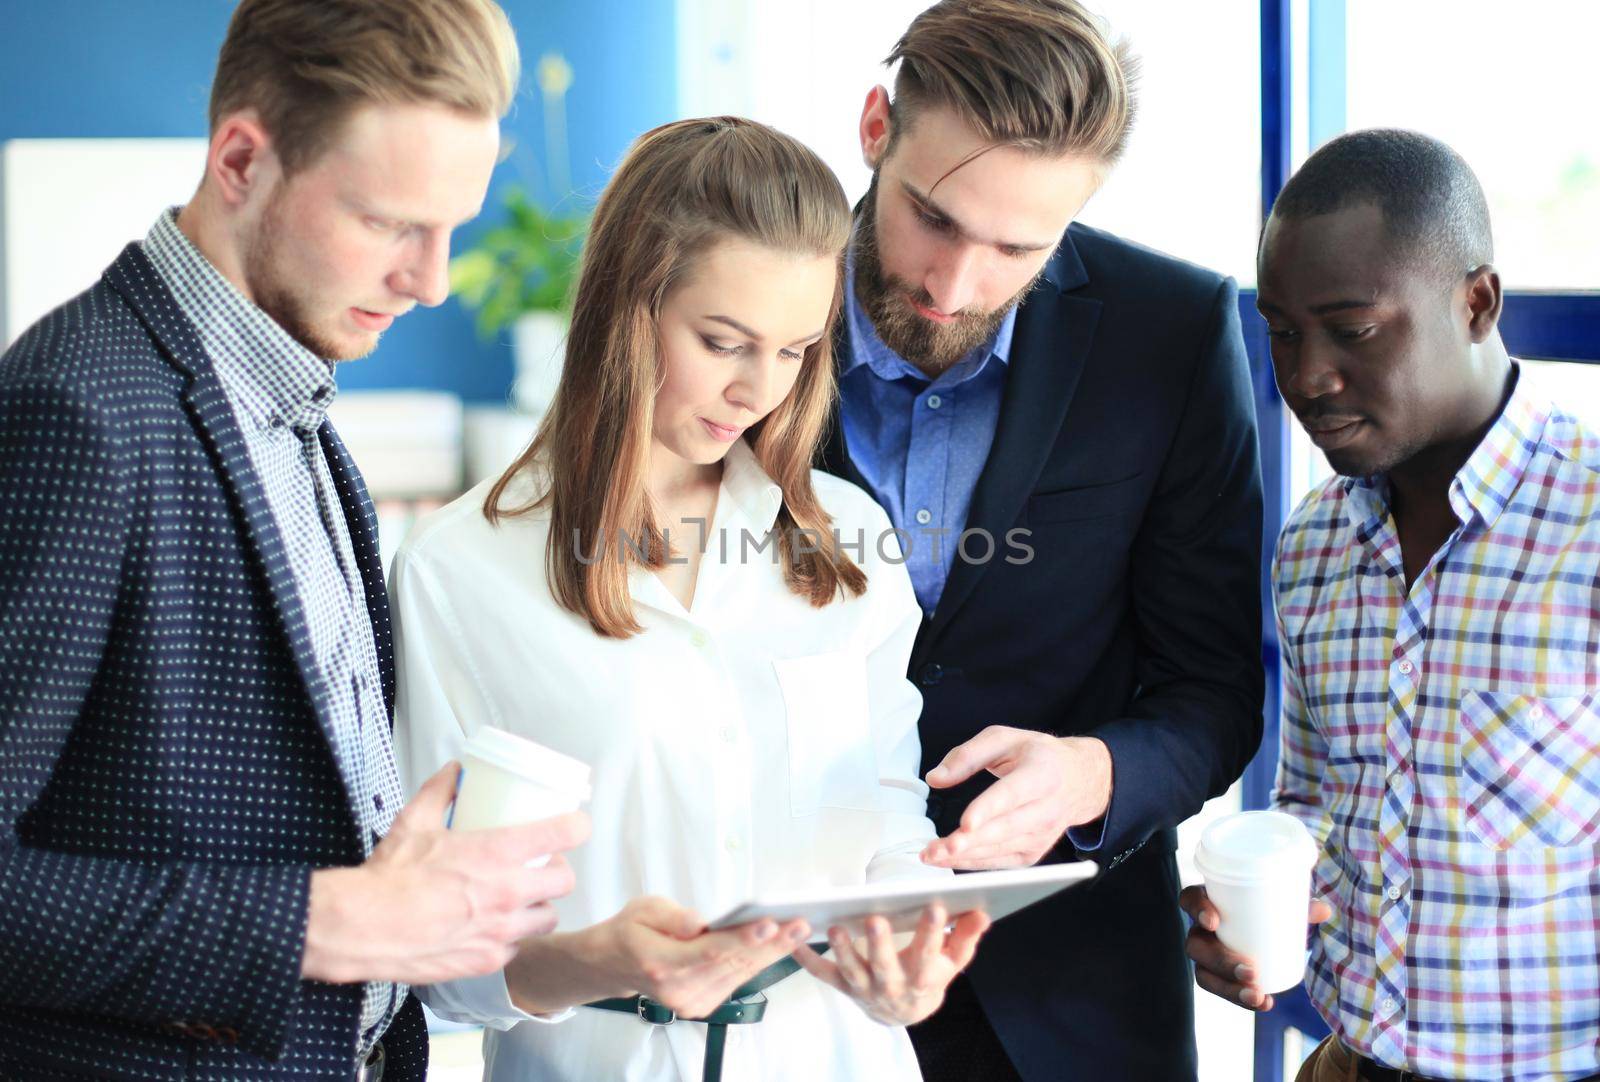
[{"x": 1552, "y": 325}]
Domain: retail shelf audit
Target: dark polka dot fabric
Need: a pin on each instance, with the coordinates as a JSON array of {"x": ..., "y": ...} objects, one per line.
[
  {"x": 167, "y": 774},
  {"x": 280, "y": 392}
]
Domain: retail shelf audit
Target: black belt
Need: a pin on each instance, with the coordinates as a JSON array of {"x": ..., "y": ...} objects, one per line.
[
  {"x": 745, "y": 1006},
  {"x": 1371, "y": 1071}
]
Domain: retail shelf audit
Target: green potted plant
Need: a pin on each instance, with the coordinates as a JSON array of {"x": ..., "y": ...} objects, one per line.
[{"x": 520, "y": 273}]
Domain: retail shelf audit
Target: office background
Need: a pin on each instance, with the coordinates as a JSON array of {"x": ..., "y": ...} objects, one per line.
[{"x": 111, "y": 69}]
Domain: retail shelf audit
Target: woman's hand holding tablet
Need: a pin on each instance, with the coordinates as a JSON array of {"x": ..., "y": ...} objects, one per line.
[
  {"x": 898, "y": 987},
  {"x": 653, "y": 947},
  {"x": 904, "y": 986}
]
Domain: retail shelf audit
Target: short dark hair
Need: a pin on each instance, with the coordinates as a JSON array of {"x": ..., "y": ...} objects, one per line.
[
  {"x": 1432, "y": 204},
  {"x": 1041, "y": 75}
]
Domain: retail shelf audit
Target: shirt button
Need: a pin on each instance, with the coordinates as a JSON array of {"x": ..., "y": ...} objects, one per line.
[
  {"x": 699, "y": 639},
  {"x": 1406, "y": 667},
  {"x": 733, "y": 843},
  {"x": 934, "y": 401},
  {"x": 1389, "y": 1005},
  {"x": 728, "y": 734},
  {"x": 924, "y": 517},
  {"x": 1394, "y": 894}
]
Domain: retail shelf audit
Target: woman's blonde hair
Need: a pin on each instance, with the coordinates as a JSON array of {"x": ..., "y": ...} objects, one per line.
[
  {"x": 681, "y": 189},
  {"x": 306, "y": 65}
]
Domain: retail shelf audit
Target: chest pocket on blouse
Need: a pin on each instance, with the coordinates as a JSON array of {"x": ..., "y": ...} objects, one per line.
[
  {"x": 832, "y": 763},
  {"x": 1529, "y": 777}
]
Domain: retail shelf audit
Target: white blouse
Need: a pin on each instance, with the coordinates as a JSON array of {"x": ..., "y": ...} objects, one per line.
[{"x": 748, "y": 745}]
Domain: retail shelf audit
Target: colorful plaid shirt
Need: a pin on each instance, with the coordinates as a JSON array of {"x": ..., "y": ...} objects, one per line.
[{"x": 1441, "y": 743}]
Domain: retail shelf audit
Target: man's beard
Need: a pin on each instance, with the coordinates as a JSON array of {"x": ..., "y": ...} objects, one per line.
[
  {"x": 932, "y": 347},
  {"x": 274, "y": 295}
]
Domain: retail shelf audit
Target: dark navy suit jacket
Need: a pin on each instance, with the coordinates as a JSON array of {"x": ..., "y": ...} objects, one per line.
[
  {"x": 167, "y": 773},
  {"x": 1127, "y": 446}
]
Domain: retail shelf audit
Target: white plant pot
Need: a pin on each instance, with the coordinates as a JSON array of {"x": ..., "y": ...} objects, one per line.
[{"x": 538, "y": 342}]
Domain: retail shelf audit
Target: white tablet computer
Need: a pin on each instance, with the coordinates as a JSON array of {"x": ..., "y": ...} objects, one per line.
[{"x": 902, "y": 900}]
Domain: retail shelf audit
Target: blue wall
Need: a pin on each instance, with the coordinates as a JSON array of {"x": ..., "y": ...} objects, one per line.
[{"x": 115, "y": 68}]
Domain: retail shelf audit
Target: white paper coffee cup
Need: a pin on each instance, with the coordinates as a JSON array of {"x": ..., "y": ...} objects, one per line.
[
  {"x": 507, "y": 780},
  {"x": 1257, "y": 866}
]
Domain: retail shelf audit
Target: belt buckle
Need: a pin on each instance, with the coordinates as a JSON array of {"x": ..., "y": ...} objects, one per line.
[
  {"x": 371, "y": 1069},
  {"x": 1390, "y": 1074},
  {"x": 650, "y": 1011}
]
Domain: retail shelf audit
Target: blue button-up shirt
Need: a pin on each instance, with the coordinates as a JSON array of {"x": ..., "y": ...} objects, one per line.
[{"x": 920, "y": 444}]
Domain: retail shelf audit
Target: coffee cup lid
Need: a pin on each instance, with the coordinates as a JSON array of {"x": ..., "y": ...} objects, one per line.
[
  {"x": 1251, "y": 844},
  {"x": 536, "y": 762}
]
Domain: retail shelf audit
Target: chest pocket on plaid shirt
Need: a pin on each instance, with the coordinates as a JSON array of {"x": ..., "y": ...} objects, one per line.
[{"x": 1529, "y": 777}]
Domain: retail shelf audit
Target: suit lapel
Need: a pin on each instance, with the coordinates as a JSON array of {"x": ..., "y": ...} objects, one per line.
[
  {"x": 1049, "y": 348},
  {"x": 1051, "y": 343},
  {"x": 1048, "y": 351},
  {"x": 362, "y": 521},
  {"x": 133, "y": 276}
]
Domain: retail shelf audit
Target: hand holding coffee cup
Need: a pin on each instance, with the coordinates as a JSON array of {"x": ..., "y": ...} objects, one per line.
[
  {"x": 507, "y": 780},
  {"x": 432, "y": 904},
  {"x": 1249, "y": 933}
]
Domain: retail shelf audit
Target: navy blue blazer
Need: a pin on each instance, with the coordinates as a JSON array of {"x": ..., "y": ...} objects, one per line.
[
  {"x": 167, "y": 774},
  {"x": 1127, "y": 446}
]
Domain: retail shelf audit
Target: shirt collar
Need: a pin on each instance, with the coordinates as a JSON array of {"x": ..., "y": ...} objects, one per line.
[
  {"x": 1485, "y": 484},
  {"x": 752, "y": 492},
  {"x": 868, "y": 349},
  {"x": 749, "y": 500},
  {"x": 273, "y": 377},
  {"x": 1486, "y": 481}
]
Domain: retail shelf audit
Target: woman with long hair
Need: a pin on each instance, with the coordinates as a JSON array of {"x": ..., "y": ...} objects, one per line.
[{"x": 661, "y": 587}]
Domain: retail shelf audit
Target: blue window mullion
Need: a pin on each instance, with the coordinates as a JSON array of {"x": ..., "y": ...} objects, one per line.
[{"x": 1552, "y": 326}]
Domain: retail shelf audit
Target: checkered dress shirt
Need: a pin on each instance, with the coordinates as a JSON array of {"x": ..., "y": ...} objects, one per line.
[
  {"x": 1440, "y": 741},
  {"x": 280, "y": 392}
]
